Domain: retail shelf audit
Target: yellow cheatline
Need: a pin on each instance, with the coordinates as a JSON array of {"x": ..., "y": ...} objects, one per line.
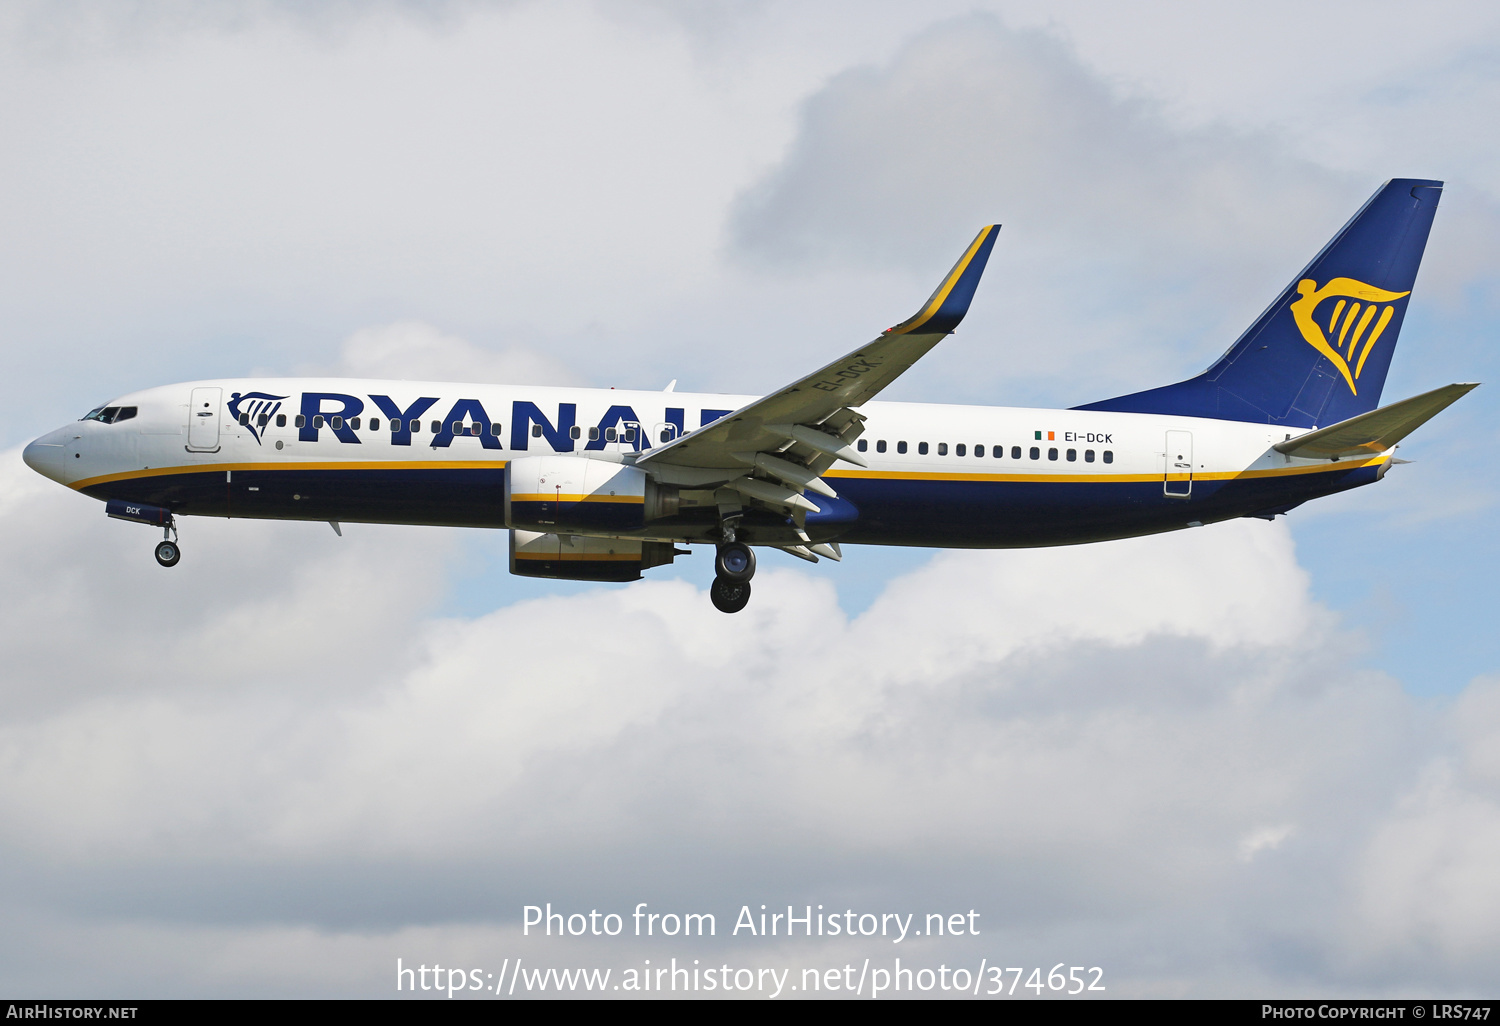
[
  {"x": 941, "y": 295},
  {"x": 219, "y": 468},
  {"x": 566, "y": 497},
  {"x": 896, "y": 475},
  {"x": 591, "y": 557}
]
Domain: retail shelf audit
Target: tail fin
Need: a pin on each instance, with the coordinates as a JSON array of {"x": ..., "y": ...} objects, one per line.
[{"x": 1320, "y": 352}]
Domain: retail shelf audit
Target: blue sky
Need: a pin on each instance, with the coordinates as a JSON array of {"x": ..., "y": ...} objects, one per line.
[{"x": 1257, "y": 754}]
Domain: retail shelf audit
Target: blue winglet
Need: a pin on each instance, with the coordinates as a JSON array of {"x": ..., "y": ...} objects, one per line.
[{"x": 946, "y": 307}]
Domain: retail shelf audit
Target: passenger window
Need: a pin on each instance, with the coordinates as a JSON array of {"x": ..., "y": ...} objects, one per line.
[
  {"x": 126, "y": 412},
  {"x": 374, "y": 423},
  {"x": 301, "y": 421},
  {"x": 1088, "y": 455},
  {"x": 318, "y": 421},
  {"x": 415, "y": 427},
  {"x": 458, "y": 427},
  {"x": 575, "y": 431},
  {"x": 1015, "y": 452},
  {"x": 864, "y": 445},
  {"x": 263, "y": 420},
  {"x": 630, "y": 434},
  {"x": 245, "y": 419},
  {"x": 666, "y": 434},
  {"x": 593, "y": 434},
  {"x": 337, "y": 423},
  {"x": 536, "y": 431},
  {"x": 1072, "y": 455},
  {"x": 1036, "y": 453},
  {"x": 880, "y": 445},
  {"x": 960, "y": 449},
  {"x": 1052, "y": 454},
  {"x": 281, "y": 420},
  {"x": 901, "y": 448},
  {"x": 921, "y": 448},
  {"x": 354, "y": 423},
  {"x": 1109, "y": 457},
  {"x": 978, "y": 450},
  {"x": 436, "y": 426},
  {"x": 610, "y": 434},
  {"x": 495, "y": 429},
  {"x": 942, "y": 448}
]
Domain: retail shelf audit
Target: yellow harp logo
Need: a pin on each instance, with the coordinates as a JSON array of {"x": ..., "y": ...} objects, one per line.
[{"x": 1358, "y": 304}]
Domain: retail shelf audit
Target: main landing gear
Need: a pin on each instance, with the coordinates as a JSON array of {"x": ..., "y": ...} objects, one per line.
[
  {"x": 733, "y": 567},
  {"x": 168, "y": 552}
]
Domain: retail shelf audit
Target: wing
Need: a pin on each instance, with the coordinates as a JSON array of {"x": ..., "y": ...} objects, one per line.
[{"x": 774, "y": 449}]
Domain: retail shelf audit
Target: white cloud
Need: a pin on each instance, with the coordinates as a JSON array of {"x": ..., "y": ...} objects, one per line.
[
  {"x": 1133, "y": 248},
  {"x": 274, "y": 769},
  {"x": 417, "y": 351},
  {"x": 1129, "y": 732}
]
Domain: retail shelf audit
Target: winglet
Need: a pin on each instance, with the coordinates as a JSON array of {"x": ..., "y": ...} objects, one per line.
[{"x": 947, "y": 306}]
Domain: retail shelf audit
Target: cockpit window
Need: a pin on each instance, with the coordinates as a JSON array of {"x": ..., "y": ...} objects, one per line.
[{"x": 110, "y": 414}]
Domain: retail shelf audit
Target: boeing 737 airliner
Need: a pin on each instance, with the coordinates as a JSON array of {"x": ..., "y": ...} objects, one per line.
[{"x": 599, "y": 484}]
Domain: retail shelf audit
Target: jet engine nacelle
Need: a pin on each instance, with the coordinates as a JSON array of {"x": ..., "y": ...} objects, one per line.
[
  {"x": 559, "y": 494},
  {"x": 573, "y": 557}
]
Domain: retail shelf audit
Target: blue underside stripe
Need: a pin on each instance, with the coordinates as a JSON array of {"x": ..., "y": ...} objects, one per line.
[{"x": 869, "y": 510}]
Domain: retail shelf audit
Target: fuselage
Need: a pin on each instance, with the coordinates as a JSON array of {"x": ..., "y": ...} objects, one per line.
[{"x": 938, "y": 475}]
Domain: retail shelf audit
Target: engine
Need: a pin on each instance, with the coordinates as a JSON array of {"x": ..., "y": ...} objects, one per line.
[
  {"x": 564, "y": 510},
  {"x": 574, "y": 557},
  {"x": 563, "y": 494}
]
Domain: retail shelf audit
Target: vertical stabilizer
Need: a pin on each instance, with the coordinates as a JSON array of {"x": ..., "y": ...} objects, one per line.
[{"x": 1320, "y": 352}]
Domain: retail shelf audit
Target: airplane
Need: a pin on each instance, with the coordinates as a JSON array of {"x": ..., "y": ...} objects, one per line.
[{"x": 603, "y": 484}]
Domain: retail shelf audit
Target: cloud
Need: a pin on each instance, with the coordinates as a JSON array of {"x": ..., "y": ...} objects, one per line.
[
  {"x": 276, "y": 768},
  {"x": 1133, "y": 248},
  {"x": 416, "y": 351},
  {"x": 274, "y": 740}
]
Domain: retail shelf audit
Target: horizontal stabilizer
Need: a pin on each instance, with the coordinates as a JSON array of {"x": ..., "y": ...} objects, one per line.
[{"x": 1376, "y": 431}]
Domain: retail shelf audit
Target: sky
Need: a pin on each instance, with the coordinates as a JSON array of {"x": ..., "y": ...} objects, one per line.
[{"x": 1254, "y": 759}]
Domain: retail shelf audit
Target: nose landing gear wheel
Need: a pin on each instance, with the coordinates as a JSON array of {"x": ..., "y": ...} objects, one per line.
[
  {"x": 167, "y": 553},
  {"x": 729, "y": 596},
  {"x": 735, "y": 562}
]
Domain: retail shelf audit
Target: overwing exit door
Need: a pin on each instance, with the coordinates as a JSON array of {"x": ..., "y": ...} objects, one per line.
[{"x": 1178, "y": 479}]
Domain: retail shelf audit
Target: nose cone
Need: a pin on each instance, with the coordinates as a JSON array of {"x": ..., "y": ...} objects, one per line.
[{"x": 47, "y": 456}]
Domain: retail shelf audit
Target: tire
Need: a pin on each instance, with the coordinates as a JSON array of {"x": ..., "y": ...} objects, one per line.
[
  {"x": 735, "y": 562},
  {"x": 167, "y": 553},
  {"x": 729, "y": 596}
]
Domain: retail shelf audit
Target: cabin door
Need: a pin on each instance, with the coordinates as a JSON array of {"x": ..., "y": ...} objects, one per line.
[
  {"x": 203, "y": 419},
  {"x": 1178, "y": 480}
]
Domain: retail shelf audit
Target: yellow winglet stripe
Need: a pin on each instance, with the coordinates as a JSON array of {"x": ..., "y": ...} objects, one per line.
[{"x": 939, "y": 297}]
